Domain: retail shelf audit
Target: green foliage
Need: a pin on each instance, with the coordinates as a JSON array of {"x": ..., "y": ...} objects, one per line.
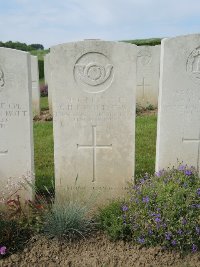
[
  {"x": 37, "y": 46},
  {"x": 150, "y": 42},
  {"x": 21, "y": 46},
  {"x": 41, "y": 68},
  {"x": 161, "y": 210},
  {"x": 110, "y": 219},
  {"x": 40, "y": 53},
  {"x": 67, "y": 220},
  {"x": 164, "y": 209},
  {"x": 150, "y": 107},
  {"x": 12, "y": 235}
]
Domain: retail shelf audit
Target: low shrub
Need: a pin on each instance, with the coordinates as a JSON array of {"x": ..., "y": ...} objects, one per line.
[
  {"x": 111, "y": 220},
  {"x": 161, "y": 210},
  {"x": 13, "y": 235},
  {"x": 165, "y": 209},
  {"x": 19, "y": 220},
  {"x": 68, "y": 220}
]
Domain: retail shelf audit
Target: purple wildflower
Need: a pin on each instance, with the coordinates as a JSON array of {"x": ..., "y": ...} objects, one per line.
[
  {"x": 188, "y": 172},
  {"x": 141, "y": 240},
  {"x": 180, "y": 232},
  {"x": 157, "y": 220},
  {"x": 198, "y": 191},
  {"x": 198, "y": 230},
  {"x": 174, "y": 242},
  {"x": 150, "y": 232},
  {"x": 142, "y": 181},
  {"x": 3, "y": 250},
  {"x": 159, "y": 174},
  {"x": 145, "y": 199},
  {"x": 194, "y": 248},
  {"x": 181, "y": 167},
  {"x": 136, "y": 187},
  {"x": 124, "y": 208},
  {"x": 168, "y": 235},
  {"x": 184, "y": 221}
]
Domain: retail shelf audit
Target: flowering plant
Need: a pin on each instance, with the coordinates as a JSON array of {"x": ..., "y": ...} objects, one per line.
[
  {"x": 165, "y": 209},
  {"x": 2, "y": 250}
]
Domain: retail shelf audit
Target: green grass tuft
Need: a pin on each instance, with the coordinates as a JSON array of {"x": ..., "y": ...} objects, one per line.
[{"x": 67, "y": 221}]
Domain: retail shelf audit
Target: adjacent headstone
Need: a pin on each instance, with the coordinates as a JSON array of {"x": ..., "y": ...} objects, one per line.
[
  {"x": 35, "y": 86},
  {"x": 47, "y": 74},
  {"x": 94, "y": 85},
  {"x": 148, "y": 73},
  {"x": 179, "y": 102},
  {"x": 16, "y": 135}
]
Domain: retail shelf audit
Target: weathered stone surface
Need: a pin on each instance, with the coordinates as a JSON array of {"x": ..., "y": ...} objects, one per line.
[
  {"x": 179, "y": 102},
  {"x": 148, "y": 73},
  {"x": 93, "y": 93},
  {"x": 16, "y": 140},
  {"x": 35, "y": 86},
  {"x": 47, "y": 75}
]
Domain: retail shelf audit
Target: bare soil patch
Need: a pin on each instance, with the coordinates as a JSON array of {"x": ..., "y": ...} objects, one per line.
[
  {"x": 96, "y": 251},
  {"x": 44, "y": 116}
]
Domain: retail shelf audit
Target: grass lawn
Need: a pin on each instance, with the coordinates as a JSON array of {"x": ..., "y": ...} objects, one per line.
[
  {"x": 43, "y": 135},
  {"x": 44, "y": 162},
  {"x": 44, "y": 103}
]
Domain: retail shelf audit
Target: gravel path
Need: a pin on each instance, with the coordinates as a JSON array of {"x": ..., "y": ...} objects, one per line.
[{"x": 95, "y": 252}]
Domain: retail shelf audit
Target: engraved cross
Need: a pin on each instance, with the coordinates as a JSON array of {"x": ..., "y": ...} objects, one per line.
[
  {"x": 197, "y": 140},
  {"x": 94, "y": 147},
  {"x": 143, "y": 87}
]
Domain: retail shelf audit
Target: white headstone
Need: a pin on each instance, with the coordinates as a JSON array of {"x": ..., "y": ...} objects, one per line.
[
  {"x": 47, "y": 74},
  {"x": 35, "y": 86},
  {"x": 179, "y": 102},
  {"x": 94, "y": 86},
  {"x": 16, "y": 133},
  {"x": 148, "y": 72}
]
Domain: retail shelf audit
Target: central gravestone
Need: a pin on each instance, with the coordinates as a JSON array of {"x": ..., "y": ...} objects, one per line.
[{"x": 93, "y": 94}]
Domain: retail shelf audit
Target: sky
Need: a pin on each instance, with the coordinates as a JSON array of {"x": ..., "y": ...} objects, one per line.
[{"x": 51, "y": 22}]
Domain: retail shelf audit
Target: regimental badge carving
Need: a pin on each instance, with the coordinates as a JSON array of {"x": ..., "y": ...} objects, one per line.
[
  {"x": 93, "y": 72},
  {"x": 193, "y": 64},
  {"x": 144, "y": 56},
  {"x": 2, "y": 81}
]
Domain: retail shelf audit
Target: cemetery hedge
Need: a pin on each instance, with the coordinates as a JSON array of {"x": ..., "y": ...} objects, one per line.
[
  {"x": 150, "y": 42},
  {"x": 21, "y": 46}
]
